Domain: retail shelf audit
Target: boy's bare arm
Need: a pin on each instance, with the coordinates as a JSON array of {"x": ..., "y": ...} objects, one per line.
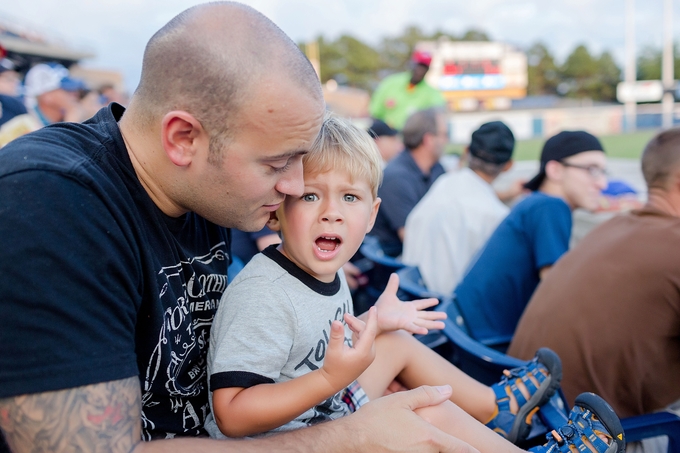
[{"x": 242, "y": 412}]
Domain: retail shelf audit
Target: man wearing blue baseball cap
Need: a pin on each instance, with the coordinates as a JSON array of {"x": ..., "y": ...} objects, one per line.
[
  {"x": 51, "y": 94},
  {"x": 534, "y": 235}
]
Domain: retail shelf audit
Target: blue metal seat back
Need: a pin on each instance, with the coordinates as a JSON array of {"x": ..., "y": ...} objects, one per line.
[{"x": 377, "y": 267}]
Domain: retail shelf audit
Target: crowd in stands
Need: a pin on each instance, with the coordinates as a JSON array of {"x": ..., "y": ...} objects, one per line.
[
  {"x": 46, "y": 95},
  {"x": 139, "y": 305}
]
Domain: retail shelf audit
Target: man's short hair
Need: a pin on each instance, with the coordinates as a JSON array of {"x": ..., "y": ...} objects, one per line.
[
  {"x": 343, "y": 146},
  {"x": 482, "y": 166},
  {"x": 199, "y": 64},
  {"x": 418, "y": 124},
  {"x": 661, "y": 158}
]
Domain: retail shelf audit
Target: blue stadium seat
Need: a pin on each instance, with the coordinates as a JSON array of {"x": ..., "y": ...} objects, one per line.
[
  {"x": 485, "y": 364},
  {"x": 651, "y": 425},
  {"x": 234, "y": 268},
  {"x": 377, "y": 267},
  {"x": 411, "y": 286}
]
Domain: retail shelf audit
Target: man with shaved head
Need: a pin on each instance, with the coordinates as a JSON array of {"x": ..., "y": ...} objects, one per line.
[{"x": 114, "y": 248}]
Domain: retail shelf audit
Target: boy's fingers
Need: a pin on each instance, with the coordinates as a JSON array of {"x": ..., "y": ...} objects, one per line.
[
  {"x": 367, "y": 337},
  {"x": 417, "y": 330},
  {"x": 429, "y": 325},
  {"x": 372, "y": 321},
  {"x": 337, "y": 339},
  {"x": 392, "y": 285},
  {"x": 355, "y": 324},
  {"x": 425, "y": 303},
  {"x": 432, "y": 315}
]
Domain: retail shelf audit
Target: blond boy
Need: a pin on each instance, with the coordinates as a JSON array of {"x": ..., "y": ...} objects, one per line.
[{"x": 286, "y": 351}]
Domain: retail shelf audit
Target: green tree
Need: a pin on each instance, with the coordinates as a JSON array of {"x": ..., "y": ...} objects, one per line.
[
  {"x": 649, "y": 63},
  {"x": 396, "y": 51},
  {"x": 609, "y": 75},
  {"x": 475, "y": 35},
  {"x": 350, "y": 60},
  {"x": 584, "y": 75},
  {"x": 543, "y": 76}
]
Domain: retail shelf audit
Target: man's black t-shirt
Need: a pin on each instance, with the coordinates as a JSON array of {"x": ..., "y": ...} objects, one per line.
[{"x": 97, "y": 283}]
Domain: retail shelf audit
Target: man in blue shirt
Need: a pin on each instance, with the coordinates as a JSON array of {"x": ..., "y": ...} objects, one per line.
[
  {"x": 408, "y": 176},
  {"x": 535, "y": 234}
]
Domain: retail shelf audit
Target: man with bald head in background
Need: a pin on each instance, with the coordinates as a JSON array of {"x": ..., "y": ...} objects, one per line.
[{"x": 114, "y": 248}]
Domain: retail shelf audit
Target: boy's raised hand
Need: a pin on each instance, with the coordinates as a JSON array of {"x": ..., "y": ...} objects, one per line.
[
  {"x": 343, "y": 364},
  {"x": 393, "y": 314}
]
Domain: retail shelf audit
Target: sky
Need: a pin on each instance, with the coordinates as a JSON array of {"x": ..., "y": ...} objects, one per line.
[{"x": 117, "y": 30}]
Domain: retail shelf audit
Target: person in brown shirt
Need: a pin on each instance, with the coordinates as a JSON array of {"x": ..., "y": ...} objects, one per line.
[{"x": 611, "y": 306}]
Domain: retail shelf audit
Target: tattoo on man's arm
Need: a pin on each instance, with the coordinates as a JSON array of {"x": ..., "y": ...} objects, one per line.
[{"x": 94, "y": 418}]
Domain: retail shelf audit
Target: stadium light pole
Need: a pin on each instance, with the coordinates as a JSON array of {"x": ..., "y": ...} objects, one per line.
[
  {"x": 630, "y": 75},
  {"x": 667, "y": 76}
]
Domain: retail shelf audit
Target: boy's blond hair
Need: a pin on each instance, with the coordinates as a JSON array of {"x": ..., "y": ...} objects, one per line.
[{"x": 343, "y": 146}]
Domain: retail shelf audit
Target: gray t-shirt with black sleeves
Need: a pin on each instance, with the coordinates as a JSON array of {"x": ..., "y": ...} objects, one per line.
[{"x": 273, "y": 325}]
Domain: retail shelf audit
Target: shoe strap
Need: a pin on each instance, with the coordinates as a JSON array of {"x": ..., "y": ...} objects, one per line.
[{"x": 510, "y": 379}]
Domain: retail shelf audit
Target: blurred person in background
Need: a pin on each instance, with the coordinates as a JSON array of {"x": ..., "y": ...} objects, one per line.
[
  {"x": 52, "y": 95},
  {"x": 401, "y": 94},
  {"x": 499, "y": 283},
  {"x": 10, "y": 82},
  {"x": 409, "y": 176},
  {"x": 108, "y": 94},
  {"x": 457, "y": 215},
  {"x": 386, "y": 139},
  {"x": 14, "y": 118}
]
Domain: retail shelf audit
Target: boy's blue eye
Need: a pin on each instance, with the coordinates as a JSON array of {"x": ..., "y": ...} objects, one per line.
[
  {"x": 350, "y": 198},
  {"x": 310, "y": 197}
]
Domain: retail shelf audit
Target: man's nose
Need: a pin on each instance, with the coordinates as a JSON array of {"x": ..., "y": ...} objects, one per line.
[{"x": 292, "y": 181}]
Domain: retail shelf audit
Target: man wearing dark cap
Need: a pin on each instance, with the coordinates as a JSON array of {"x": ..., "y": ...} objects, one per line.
[
  {"x": 461, "y": 210},
  {"x": 386, "y": 139},
  {"x": 498, "y": 285},
  {"x": 401, "y": 94}
]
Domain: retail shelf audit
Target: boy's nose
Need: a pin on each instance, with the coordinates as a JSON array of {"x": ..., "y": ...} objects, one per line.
[{"x": 331, "y": 213}]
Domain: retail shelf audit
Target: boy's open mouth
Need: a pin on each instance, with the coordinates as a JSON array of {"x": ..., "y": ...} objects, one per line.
[{"x": 327, "y": 243}]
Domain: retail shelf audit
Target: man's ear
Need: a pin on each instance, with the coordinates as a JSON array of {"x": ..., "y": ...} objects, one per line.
[
  {"x": 464, "y": 157},
  {"x": 508, "y": 165},
  {"x": 554, "y": 170},
  {"x": 182, "y": 135},
  {"x": 428, "y": 137},
  {"x": 273, "y": 223},
  {"x": 374, "y": 213}
]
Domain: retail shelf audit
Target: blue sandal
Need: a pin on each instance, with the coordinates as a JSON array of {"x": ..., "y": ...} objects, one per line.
[
  {"x": 546, "y": 368},
  {"x": 590, "y": 416}
]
